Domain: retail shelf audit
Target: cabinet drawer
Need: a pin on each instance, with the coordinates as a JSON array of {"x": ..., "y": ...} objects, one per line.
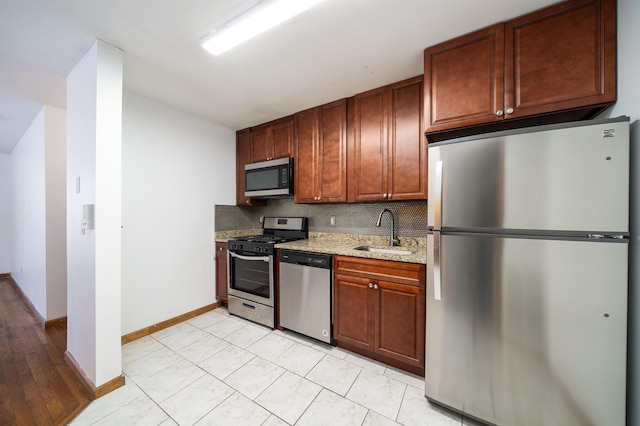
[{"x": 397, "y": 272}]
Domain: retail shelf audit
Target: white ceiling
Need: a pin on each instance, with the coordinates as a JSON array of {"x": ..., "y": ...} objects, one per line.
[{"x": 335, "y": 50}]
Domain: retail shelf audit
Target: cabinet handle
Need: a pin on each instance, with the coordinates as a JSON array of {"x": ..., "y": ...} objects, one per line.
[
  {"x": 509, "y": 111},
  {"x": 375, "y": 286},
  {"x": 370, "y": 285},
  {"x": 389, "y": 196},
  {"x": 499, "y": 113},
  {"x": 384, "y": 195}
]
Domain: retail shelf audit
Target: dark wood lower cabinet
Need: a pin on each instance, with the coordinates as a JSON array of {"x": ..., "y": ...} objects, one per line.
[
  {"x": 221, "y": 273},
  {"x": 354, "y": 311},
  {"x": 401, "y": 318},
  {"x": 380, "y": 310}
]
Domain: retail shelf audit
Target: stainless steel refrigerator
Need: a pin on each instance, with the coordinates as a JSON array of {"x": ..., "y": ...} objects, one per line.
[{"x": 527, "y": 274}]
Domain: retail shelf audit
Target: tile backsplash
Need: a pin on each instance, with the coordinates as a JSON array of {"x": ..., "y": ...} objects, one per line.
[{"x": 352, "y": 218}]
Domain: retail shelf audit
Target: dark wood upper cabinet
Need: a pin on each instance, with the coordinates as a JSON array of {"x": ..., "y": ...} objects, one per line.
[
  {"x": 243, "y": 156},
  {"x": 464, "y": 80},
  {"x": 321, "y": 154},
  {"x": 407, "y": 158},
  {"x": 387, "y": 158},
  {"x": 560, "y": 58},
  {"x": 559, "y": 62},
  {"x": 368, "y": 159},
  {"x": 282, "y": 139},
  {"x": 272, "y": 140}
]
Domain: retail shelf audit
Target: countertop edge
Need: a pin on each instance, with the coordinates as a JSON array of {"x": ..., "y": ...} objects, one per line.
[
  {"x": 343, "y": 245},
  {"x": 347, "y": 249}
]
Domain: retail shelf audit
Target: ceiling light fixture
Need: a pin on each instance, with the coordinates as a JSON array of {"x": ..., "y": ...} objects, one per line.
[{"x": 265, "y": 15}]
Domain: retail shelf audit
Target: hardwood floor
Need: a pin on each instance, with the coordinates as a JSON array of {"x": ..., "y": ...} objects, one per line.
[{"x": 36, "y": 386}]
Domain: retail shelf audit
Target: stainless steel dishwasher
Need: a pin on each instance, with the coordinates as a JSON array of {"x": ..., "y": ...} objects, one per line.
[{"x": 306, "y": 293}]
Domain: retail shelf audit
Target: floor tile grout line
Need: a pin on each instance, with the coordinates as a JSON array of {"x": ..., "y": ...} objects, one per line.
[
  {"x": 401, "y": 402},
  {"x": 310, "y": 404},
  {"x": 158, "y": 404},
  {"x": 293, "y": 340}
]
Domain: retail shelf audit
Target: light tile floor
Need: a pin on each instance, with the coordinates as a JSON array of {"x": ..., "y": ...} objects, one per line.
[{"x": 217, "y": 369}]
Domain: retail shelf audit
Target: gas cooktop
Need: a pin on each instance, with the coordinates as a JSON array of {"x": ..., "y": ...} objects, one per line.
[
  {"x": 267, "y": 239},
  {"x": 275, "y": 230}
]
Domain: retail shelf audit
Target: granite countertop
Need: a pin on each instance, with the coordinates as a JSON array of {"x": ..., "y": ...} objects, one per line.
[{"x": 344, "y": 244}]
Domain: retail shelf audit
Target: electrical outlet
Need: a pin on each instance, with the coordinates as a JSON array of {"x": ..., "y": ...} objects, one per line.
[
  {"x": 332, "y": 220},
  {"x": 261, "y": 219}
]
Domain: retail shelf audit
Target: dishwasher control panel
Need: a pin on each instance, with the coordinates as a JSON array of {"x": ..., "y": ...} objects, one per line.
[{"x": 308, "y": 259}]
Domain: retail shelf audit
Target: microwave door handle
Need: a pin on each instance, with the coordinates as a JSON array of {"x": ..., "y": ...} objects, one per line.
[{"x": 250, "y": 258}]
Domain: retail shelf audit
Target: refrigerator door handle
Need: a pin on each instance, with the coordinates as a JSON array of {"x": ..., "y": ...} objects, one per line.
[
  {"x": 437, "y": 283},
  {"x": 437, "y": 202}
]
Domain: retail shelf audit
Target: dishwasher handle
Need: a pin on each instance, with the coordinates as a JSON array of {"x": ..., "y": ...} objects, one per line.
[{"x": 313, "y": 260}]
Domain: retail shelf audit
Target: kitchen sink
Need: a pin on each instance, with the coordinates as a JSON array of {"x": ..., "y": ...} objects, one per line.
[{"x": 384, "y": 250}]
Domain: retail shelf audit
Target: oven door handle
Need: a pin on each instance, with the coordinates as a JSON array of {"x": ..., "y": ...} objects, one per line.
[{"x": 250, "y": 258}]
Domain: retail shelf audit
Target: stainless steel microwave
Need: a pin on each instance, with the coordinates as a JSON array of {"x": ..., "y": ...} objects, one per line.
[{"x": 269, "y": 179}]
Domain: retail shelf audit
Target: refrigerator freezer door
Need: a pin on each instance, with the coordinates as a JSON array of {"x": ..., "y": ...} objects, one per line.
[
  {"x": 529, "y": 331},
  {"x": 569, "y": 180}
]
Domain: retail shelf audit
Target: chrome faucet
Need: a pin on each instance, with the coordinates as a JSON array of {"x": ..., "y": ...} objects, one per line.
[{"x": 393, "y": 241}]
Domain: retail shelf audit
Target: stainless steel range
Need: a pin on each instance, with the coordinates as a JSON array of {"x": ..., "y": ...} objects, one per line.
[{"x": 251, "y": 268}]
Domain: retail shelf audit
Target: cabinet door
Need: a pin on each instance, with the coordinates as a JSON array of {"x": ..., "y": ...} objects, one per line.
[
  {"x": 407, "y": 143},
  {"x": 561, "y": 57},
  {"x": 354, "y": 320},
  {"x": 260, "y": 141},
  {"x": 368, "y": 176},
  {"x": 243, "y": 156},
  {"x": 306, "y": 156},
  {"x": 221, "y": 273},
  {"x": 464, "y": 80},
  {"x": 400, "y": 330},
  {"x": 332, "y": 149},
  {"x": 282, "y": 139}
]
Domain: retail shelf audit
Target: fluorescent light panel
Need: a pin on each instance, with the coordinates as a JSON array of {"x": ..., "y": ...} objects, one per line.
[{"x": 264, "y": 16}]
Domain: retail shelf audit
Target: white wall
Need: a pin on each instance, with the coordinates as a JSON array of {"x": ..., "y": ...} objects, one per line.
[
  {"x": 28, "y": 258},
  {"x": 38, "y": 216},
  {"x": 94, "y": 120},
  {"x": 55, "y": 165},
  {"x": 175, "y": 168},
  {"x": 5, "y": 213}
]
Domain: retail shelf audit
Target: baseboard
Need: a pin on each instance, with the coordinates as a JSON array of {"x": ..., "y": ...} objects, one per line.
[
  {"x": 5, "y": 275},
  {"x": 58, "y": 322},
  {"x": 34, "y": 311},
  {"x": 130, "y": 337},
  {"x": 62, "y": 321},
  {"x": 93, "y": 391}
]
